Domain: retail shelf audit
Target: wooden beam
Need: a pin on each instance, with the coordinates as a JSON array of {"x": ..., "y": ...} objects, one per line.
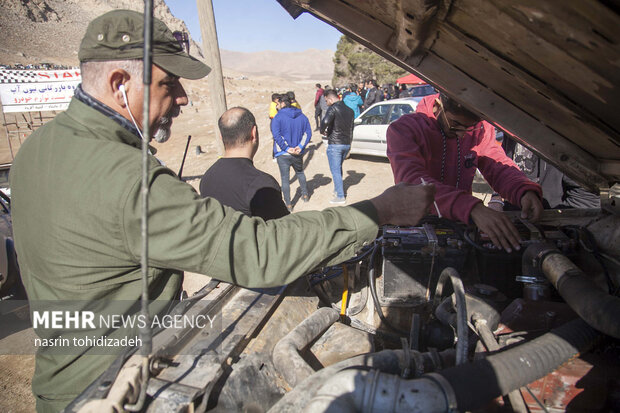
[
  {"x": 556, "y": 149},
  {"x": 611, "y": 168},
  {"x": 215, "y": 79}
]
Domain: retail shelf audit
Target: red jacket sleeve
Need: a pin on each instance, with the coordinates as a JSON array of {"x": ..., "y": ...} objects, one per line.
[
  {"x": 410, "y": 157},
  {"x": 317, "y": 96},
  {"x": 501, "y": 172}
]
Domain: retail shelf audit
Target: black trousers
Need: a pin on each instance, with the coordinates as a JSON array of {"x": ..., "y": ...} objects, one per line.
[{"x": 317, "y": 116}]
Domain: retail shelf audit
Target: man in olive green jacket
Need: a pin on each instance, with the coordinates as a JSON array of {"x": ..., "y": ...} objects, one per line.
[{"x": 77, "y": 204}]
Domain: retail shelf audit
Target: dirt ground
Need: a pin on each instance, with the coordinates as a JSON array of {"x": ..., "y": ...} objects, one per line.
[{"x": 364, "y": 177}]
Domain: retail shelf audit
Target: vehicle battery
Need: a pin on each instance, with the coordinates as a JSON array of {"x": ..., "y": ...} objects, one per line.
[{"x": 408, "y": 254}]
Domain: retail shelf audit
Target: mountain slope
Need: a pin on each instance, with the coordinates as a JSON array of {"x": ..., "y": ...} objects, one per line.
[
  {"x": 49, "y": 31},
  {"x": 308, "y": 64},
  {"x": 37, "y": 31}
]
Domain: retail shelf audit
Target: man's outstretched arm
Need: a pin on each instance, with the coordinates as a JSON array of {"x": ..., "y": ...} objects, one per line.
[
  {"x": 189, "y": 233},
  {"x": 403, "y": 204}
]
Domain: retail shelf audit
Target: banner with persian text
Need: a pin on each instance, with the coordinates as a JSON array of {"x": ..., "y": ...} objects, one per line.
[{"x": 37, "y": 90}]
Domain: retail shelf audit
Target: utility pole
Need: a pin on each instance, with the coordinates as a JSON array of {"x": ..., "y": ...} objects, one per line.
[{"x": 211, "y": 50}]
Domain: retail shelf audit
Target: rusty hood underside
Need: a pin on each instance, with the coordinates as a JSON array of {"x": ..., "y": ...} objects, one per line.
[{"x": 545, "y": 71}]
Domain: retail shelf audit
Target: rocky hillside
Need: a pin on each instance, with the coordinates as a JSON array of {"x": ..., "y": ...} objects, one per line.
[
  {"x": 37, "y": 31},
  {"x": 49, "y": 31}
]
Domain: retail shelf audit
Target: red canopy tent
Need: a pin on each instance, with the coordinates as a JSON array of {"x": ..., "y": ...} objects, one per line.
[{"x": 410, "y": 79}]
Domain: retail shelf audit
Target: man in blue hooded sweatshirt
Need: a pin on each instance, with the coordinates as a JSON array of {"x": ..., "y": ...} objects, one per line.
[
  {"x": 291, "y": 132},
  {"x": 353, "y": 100}
]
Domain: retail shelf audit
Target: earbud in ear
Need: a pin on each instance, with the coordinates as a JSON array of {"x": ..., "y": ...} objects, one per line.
[{"x": 121, "y": 89}]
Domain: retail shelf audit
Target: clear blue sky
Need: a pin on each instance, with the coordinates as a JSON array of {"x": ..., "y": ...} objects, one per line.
[{"x": 256, "y": 25}]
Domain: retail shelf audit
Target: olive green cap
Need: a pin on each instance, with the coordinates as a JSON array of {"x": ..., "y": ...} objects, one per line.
[{"x": 119, "y": 35}]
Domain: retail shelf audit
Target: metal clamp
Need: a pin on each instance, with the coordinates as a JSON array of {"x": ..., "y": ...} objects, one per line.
[{"x": 448, "y": 391}]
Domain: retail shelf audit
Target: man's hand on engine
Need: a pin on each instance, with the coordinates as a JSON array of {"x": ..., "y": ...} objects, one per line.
[
  {"x": 404, "y": 204},
  {"x": 497, "y": 226},
  {"x": 531, "y": 207}
]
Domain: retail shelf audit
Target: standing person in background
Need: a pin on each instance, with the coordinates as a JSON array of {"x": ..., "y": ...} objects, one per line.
[
  {"x": 373, "y": 95},
  {"x": 292, "y": 132},
  {"x": 361, "y": 90},
  {"x": 233, "y": 179},
  {"x": 317, "y": 106},
  {"x": 273, "y": 106},
  {"x": 338, "y": 126},
  {"x": 393, "y": 90},
  {"x": 353, "y": 100},
  {"x": 273, "y": 111},
  {"x": 323, "y": 105},
  {"x": 291, "y": 98},
  {"x": 404, "y": 93},
  {"x": 386, "y": 94}
]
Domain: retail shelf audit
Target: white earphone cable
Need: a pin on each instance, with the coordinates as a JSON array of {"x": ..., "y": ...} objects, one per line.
[{"x": 122, "y": 90}]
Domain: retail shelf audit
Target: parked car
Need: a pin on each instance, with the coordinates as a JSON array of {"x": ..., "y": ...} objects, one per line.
[
  {"x": 371, "y": 125},
  {"x": 421, "y": 91}
]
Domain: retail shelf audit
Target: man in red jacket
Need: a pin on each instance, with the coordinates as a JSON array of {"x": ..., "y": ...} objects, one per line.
[
  {"x": 443, "y": 143},
  {"x": 318, "y": 113}
]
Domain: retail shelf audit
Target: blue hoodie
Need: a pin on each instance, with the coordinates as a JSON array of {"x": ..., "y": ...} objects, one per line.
[
  {"x": 354, "y": 101},
  {"x": 288, "y": 128}
]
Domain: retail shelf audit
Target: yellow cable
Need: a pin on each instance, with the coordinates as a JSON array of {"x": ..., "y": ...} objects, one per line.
[{"x": 345, "y": 292}]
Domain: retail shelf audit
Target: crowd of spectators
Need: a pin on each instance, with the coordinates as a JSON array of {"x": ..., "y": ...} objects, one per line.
[{"x": 370, "y": 92}]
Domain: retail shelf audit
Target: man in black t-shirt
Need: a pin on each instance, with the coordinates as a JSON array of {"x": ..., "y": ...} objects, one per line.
[{"x": 233, "y": 180}]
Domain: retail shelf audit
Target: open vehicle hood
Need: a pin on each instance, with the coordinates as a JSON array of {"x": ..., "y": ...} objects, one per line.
[{"x": 545, "y": 71}]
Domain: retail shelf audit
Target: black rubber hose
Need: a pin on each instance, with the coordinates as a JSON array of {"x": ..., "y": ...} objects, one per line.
[
  {"x": 511, "y": 369},
  {"x": 473, "y": 243},
  {"x": 587, "y": 242},
  {"x": 598, "y": 308},
  {"x": 286, "y": 358},
  {"x": 462, "y": 344}
]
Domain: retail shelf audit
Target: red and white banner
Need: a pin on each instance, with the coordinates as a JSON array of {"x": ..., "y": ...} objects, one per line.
[{"x": 37, "y": 90}]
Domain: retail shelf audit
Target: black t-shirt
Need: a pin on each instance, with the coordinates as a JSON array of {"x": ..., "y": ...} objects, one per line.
[{"x": 236, "y": 183}]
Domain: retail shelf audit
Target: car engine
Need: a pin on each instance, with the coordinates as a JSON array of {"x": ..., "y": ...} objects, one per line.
[{"x": 430, "y": 318}]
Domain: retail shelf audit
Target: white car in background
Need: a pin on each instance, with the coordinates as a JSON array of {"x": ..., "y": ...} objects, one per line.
[{"x": 370, "y": 127}]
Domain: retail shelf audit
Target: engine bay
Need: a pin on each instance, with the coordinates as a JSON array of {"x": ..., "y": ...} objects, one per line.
[
  {"x": 506, "y": 298},
  {"x": 426, "y": 318}
]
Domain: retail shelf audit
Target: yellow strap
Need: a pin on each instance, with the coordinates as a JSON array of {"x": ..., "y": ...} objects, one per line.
[{"x": 345, "y": 292}]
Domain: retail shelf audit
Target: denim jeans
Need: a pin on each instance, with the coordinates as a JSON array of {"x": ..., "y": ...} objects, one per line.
[
  {"x": 297, "y": 162},
  {"x": 335, "y": 157}
]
